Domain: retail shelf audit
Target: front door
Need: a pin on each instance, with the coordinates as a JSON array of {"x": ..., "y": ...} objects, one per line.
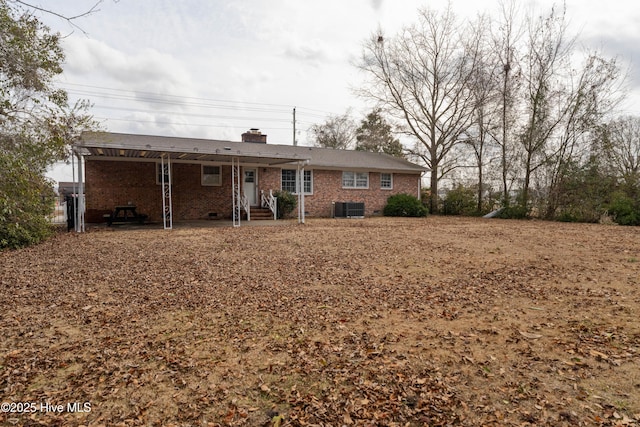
[{"x": 250, "y": 186}]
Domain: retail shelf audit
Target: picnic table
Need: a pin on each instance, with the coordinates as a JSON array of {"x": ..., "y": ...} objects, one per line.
[{"x": 126, "y": 213}]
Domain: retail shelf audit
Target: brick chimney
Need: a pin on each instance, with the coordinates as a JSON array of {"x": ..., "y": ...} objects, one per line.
[{"x": 254, "y": 135}]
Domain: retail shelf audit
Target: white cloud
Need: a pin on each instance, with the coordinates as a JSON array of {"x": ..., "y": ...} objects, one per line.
[
  {"x": 286, "y": 52},
  {"x": 313, "y": 51},
  {"x": 145, "y": 70},
  {"x": 376, "y": 4},
  {"x": 281, "y": 52}
]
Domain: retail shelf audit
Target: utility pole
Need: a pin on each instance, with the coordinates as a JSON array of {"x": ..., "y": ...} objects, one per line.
[{"x": 294, "y": 127}]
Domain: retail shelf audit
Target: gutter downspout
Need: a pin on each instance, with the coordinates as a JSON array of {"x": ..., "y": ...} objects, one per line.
[{"x": 300, "y": 180}]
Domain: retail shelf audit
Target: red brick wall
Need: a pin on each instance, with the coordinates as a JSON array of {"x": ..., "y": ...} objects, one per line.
[
  {"x": 111, "y": 183},
  {"x": 327, "y": 188}
]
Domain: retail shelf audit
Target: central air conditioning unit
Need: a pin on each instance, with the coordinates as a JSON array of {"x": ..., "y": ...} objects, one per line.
[{"x": 348, "y": 210}]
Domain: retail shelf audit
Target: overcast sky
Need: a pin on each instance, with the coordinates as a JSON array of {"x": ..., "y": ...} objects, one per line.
[{"x": 215, "y": 68}]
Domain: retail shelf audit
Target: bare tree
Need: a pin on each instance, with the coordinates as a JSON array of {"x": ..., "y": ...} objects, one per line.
[
  {"x": 422, "y": 76},
  {"x": 621, "y": 147},
  {"x": 505, "y": 42},
  {"x": 71, "y": 19},
  {"x": 591, "y": 93},
  {"x": 485, "y": 90},
  {"x": 338, "y": 131},
  {"x": 548, "y": 55}
]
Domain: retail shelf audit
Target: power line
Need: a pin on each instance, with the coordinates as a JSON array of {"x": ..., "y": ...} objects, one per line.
[
  {"x": 175, "y": 123},
  {"x": 172, "y": 102},
  {"x": 309, "y": 116},
  {"x": 132, "y": 95},
  {"x": 324, "y": 113},
  {"x": 152, "y": 94},
  {"x": 138, "y": 110},
  {"x": 250, "y": 119}
]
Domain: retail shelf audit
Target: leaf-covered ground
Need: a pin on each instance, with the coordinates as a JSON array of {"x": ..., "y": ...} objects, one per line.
[{"x": 376, "y": 322}]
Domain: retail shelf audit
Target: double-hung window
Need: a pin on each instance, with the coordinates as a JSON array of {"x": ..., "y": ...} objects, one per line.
[
  {"x": 289, "y": 181},
  {"x": 386, "y": 181},
  {"x": 355, "y": 179},
  {"x": 211, "y": 175}
]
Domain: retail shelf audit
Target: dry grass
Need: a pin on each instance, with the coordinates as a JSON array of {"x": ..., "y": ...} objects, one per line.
[{"x": 437, "y": 321}]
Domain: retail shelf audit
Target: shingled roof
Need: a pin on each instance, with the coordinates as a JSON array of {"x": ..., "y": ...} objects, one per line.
[{"x": 122, "y": 145}]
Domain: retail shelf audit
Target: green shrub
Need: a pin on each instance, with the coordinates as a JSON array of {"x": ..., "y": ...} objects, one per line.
[
  {"x": 460, "y": 201},
  {"x": 580, "y": 194},
  {"x": 517, "y": 211},
  {"x": 624, "y": 209},
  {"x": 567, "y": 216},
  {"x": 26, "y": 199},
  {"x": 404, "y": 205},
  {"x": 287, "y": 202}
]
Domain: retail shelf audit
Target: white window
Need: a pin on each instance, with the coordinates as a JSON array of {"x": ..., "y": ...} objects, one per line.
[
  {"x": 355, "y": 179},
  {"x": 386, "y": 181},
  {"x": 289, "y": 181},
  {"x": 159, "y": 173},
  {"x": 211, "y": 175}
]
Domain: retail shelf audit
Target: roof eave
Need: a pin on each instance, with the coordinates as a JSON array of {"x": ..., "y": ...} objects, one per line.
[{"x": 98, "y": 149}]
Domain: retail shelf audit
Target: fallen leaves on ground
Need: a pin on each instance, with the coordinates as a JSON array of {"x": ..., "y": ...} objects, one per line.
[{"x": 376, "y": 322}]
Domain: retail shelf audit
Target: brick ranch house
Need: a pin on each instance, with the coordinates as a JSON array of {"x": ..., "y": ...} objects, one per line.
[{"x": 206, "y": 179}]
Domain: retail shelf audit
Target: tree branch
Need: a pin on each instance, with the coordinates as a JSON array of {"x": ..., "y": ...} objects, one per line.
[{"x": 69, "y": 19}]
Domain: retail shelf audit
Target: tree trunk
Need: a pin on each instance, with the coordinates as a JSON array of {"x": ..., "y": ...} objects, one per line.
[
  {"x": 505, "y": 189},
  {"x": 527, "y": 183},
  {"x": 480, "y": 187},
  {"x": 433, "y": 203}
]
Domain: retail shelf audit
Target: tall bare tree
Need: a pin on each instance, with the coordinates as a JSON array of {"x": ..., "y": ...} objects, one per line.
[
  {"x": 548, "y": 55},
  {"x": 421, "y": 76},
  {"x": 506, "y": 38},
  {"x": 485, "y": 90}
]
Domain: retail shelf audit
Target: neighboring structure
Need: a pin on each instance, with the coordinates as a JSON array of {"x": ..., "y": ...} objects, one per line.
[
  {"x": 67, "y": 189},
  {"x": 187, "y": 179}
]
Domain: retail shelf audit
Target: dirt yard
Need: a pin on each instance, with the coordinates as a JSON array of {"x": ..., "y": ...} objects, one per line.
[{"x": 376, "y": 322}]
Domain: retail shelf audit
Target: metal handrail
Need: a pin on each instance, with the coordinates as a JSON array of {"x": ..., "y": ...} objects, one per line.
[
  {"x": 244, "y": 201},
  {"x": 270, "y": 202}
]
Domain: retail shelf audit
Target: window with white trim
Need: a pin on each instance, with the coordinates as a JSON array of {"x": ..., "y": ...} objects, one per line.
[
  {"x": 355, "y": 179},
  {"x": 289, "y": 181},
  {"x": 386, "y": 181},
  {"x": 211, "y": 175}
]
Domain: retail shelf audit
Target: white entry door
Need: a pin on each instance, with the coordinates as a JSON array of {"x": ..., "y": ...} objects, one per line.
[{"x": 250, "y": 186}]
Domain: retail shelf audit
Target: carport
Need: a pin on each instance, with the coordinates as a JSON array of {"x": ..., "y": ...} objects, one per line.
[{"x": 168, "y": 150}]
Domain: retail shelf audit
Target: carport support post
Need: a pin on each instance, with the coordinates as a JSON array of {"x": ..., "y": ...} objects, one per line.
[
  {"x": 167, "y": 209},
  {"x": 300, "y": 182},
  {"x": 79, "y": 199},
  {"x": 236, "y": 194}
]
